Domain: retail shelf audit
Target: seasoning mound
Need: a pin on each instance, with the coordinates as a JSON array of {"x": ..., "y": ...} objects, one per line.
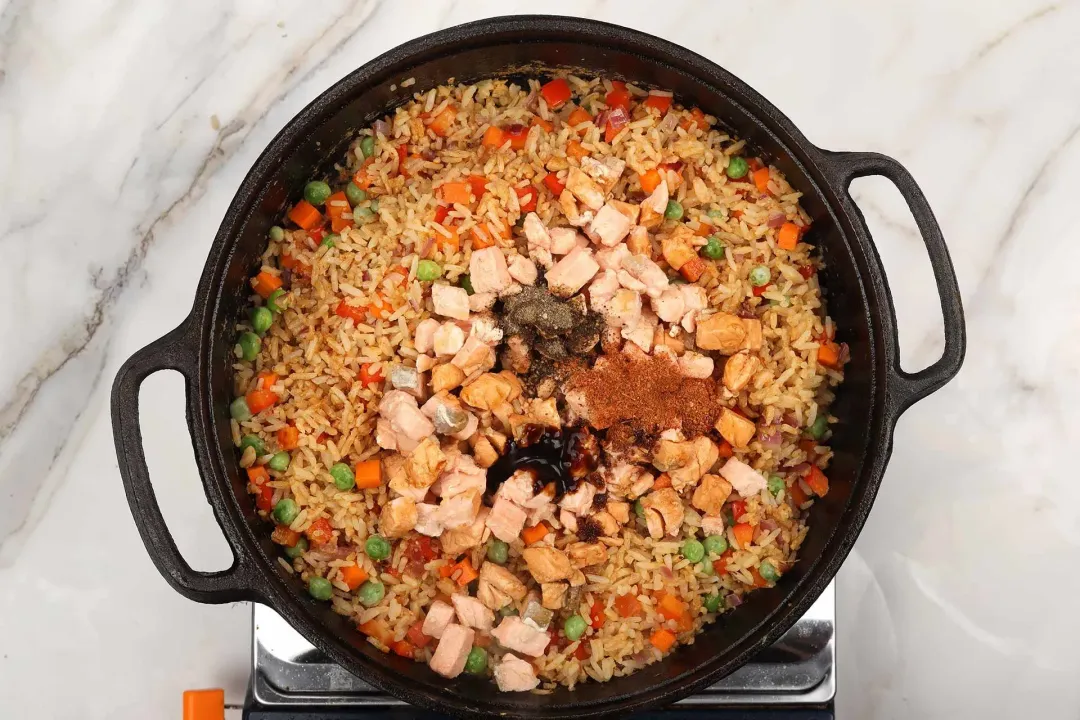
[{"x": 648, "y": 394}]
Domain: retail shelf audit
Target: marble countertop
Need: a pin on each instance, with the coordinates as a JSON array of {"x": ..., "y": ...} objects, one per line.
[{"x": 126, "y": 128}]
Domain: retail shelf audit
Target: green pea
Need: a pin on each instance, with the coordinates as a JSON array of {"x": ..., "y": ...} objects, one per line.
[
  {"x": 737, "y": 168},
  {"x": 331, "y": 240},
  {"x": 776, "y": 484},
  {"x": 253, "y": 441},
  {"x": 286, "y": 511},
  {"x": 706, "y": 568},
  {"x": 274, "y": 301},
  {"x": 294, "y": 551},
  {"x": 374, "y": 206},
  {"x": 639, "y": 509},
  {"x": 316, "y": 192},
  {"x": 498, "y": 552},
  {"x": 428, "y": 270},
  {"x": 320, "y": 588},
  {"x": 279, "y": 462},
  {"x": 371, "y": 593},
  {"x": 476, "y": 663},
  {"x": 262, "y": 319},
  {"x": 715, "y": 544},
  {"x": 574, "y": 627},
  {"x": 818, "y": 428},
  {"x": 466, "y": 282},
  {"x": 716, "y": 214},
  {"x": 367, "y": 145},
  {"x": 362, "y": 213},
  {"x": 769, "y": 571},
  {"x": 693, "y": 550},
  {"x": 714, "y": 249},
  {"x": 277, "y": 234},
  {"x": 713, "y": 603},
  {"x": 673, "y": 211},
  {"x": 760, "y": 275},
  {"x": 377, "y": 548},
  {"x": 354, "y": 195},
  {"x": 239, "y": 410},
  {"x": 250, "y": 344},
  {"x": 343, "y": 476}
]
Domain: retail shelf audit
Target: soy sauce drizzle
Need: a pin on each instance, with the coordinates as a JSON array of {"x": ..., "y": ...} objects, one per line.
[{"x": 564, "y": 457}]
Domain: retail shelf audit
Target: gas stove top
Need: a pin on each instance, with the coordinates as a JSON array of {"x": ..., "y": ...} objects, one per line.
[{"x": 796, "y": 677}]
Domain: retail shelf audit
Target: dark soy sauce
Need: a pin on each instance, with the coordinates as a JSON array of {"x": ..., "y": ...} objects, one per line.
[{"x": 563, "y": 457}]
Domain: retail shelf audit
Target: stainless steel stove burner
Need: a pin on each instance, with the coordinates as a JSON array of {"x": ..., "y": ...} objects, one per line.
[{"x": 800, "y": 669}]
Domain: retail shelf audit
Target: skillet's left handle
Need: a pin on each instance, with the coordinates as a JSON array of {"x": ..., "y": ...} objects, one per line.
[
  {"x": 174, "y": 351},
  {"x": 908, "y": 388}
]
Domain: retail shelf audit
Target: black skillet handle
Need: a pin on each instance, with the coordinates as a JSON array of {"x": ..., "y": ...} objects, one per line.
[
  {"x": 907, "y": 388},
  {"x": 174, "y": 351}
]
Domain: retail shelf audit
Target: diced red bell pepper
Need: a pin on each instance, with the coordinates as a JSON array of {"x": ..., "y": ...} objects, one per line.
[{"x": 556, "y": 93}]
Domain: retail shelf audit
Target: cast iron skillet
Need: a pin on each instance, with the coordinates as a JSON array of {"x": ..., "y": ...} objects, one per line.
[{"x": 874, "y": 395}]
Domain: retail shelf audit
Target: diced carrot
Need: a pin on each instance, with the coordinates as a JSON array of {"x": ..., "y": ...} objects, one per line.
[
  {"x": 662, "y": 481},
  {"x": 761, "y": 179},
  {"x": 353, "y": 576},
  {"x": 380, "y": 308},
  {"x": 378, "y": 629},
  {"x": 627, "y": 605},
  {"x": 650, "y": 180},
  {"x": 265, "y": 380},
  {"x": 618, "y": 96},
  {"x": 266, "y": 283},
  {"x": 663, "y": 640},
  {"x": 337, "y": 205},
  {"x": 798, "y": 495},
  {"x": 527, "y": 197},
  {"x": 451, "y": 242},
  {"x": 415, "y": 635},
  {"x": 720, "y": 563},
  {"x": 703, "y": 230},
  {"x": 259, "y": 400},
  {"x": 481, "y": 237},
  {"x": 283, "y": 535},
  {"x": 535, "y": 534},
  {"x": 545, "y": 124},
  {"x": 402, "y": 648},
  {"x": 368, "y": 474},
  {"x": 482, "y": 640},
  {"x": 551, "y": 180},
  {"x": 288, "y": 262},
  {"x": 369, "y": 376},
  {"x": 478, "y": 185},
  {"x": 788, "y": 237},
  {"x": 596, "y": 615},
  {"x": 494, "y": 137},
  {"x": 828, "y": 354},
  {"x": 726, "y": 450},
  {"x": 447, "y": 570},
  {"x": 455, "y": 192},
  {"x": 441, "y": 123},
  {"x": 575, "y": 150},
  {"x": 578, "y": 116},
  {"x": 670, "y": 606},
  {"x": 556, "y": 93},
  {"x": 402, "y": 153},
  {"x": 356, "y": 314},
  {"x": 693, "y": 269},
  {"x": 583, "y": 651},
  {"x": 362, "y": 178},
  {"x": 696, "y": 119},
  {"x": 817, "y": 482},
  {"x": 610, "y": 133},
  {"x": 468, "y": 573},
  {"x": 320, "y": 532},
  {"x": 305, "y": 215},
  {"x": 288, "y": 438},
  {"x": 744, "y": 534},
  {"x": 659, "y": 103},
  {"x": 518, "y": 135}
]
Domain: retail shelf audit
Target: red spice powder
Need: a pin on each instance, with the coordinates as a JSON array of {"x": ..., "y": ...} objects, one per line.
[{"x": 648, "y": 393}]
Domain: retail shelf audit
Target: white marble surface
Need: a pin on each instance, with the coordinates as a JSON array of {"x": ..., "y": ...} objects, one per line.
[{"x": 959, "y": 598}]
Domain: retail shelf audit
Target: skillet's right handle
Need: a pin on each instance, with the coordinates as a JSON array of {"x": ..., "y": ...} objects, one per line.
[
  {"x": 174, "y": 351},
  {"x": 908, "y": 388}
]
